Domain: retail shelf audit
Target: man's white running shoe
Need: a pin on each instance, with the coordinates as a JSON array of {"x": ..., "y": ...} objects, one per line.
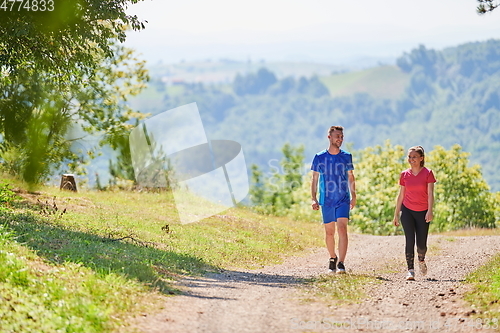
[
  {"x": 411, "y": 275},
  {"x": 423, "y": 267}
]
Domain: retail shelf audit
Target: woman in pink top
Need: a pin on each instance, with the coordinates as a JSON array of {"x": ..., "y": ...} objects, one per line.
[{"x": 414, "y": 205}]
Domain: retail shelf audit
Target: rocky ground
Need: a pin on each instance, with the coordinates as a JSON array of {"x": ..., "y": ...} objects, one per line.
[{"x": 272, "y": 299}]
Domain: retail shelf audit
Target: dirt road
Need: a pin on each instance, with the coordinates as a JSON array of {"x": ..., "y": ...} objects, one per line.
[{"x": 272, "y": 299}]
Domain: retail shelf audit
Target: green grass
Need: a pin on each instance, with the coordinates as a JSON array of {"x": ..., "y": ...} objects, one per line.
[
  {"x": 236, "y": 237},
  {"x": 484, "y": 295},
  {"x": 40, "y": 297},
  {"x": 383, "y": 82},
  {"x": 111, "y": 255},
  {"x": 337, "y": 289},
  {"x": 471, "y": 232}
]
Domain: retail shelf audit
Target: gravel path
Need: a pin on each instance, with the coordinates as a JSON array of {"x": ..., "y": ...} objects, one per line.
[{"x": 271, "y": 299}]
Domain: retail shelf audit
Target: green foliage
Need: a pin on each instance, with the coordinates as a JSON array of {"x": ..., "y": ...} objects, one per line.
[
  {"x": 7, "y": 196},
  {"x": 462, "y": 197},
  {"x": 121, "y": 169},
  {"x": 62, "y": 75},
  {"x": 301, "y": 209},
  {"x": 486, "y": 6},
  {"x": 497, "y": 209},
  {"x": 274, "y": 194},
  {"x": 65, "y": 39},
  {"x": 377, "y": 171}
]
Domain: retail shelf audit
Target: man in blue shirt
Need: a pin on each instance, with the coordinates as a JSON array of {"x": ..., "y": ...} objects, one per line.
[{"x": 333, "y": 176}]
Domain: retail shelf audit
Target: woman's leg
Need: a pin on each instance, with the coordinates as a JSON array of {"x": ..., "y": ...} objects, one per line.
[
  {"x": 421, "y": 231},
  {"x": 408, "y": 222}
]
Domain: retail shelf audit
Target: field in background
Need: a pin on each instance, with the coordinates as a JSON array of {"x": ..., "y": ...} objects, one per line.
[
  {"x": 209, "y": 72},
  {"x": 382, "y": 82}
]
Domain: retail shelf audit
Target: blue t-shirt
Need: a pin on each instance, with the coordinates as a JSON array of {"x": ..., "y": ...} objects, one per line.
[{"x": 333, "y": 181}]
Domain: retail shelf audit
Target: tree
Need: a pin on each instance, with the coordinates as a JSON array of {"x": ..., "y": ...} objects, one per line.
[
  {"x": 486, "y": 6},
  {"x": 274, "y": 194},
  {"x": 377, "y": 172},
  {"x": 254, "y": 83},
  {"x": 420, "y": 59},
  {"x": 59, "y": 69},
  {"x": 65, "y": 38},
  {"x": 463, "y": 199}
]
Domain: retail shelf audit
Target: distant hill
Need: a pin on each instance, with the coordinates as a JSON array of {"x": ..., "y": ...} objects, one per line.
[
  {"x": 224, "y": 71},
  {"x": 432, "y": 97}
]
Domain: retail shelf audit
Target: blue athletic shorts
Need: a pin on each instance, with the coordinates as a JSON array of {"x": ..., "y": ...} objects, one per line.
[{"x": 331, "y": 214}]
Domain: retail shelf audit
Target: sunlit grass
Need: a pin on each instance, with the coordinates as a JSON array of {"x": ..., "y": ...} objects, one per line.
[
  {"x": 41, "y": 297},
  {"x": 472, "y": 232},
  {"x": 338, "y": 289},
  {"x": 83, "y": 254},
  {"x": 485, "y": 293},
  {"x": 236, "y": 237}
]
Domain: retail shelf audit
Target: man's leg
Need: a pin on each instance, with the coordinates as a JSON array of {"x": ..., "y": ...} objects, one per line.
[
  {"x": 343, "y": 238},
  {"x": 330, "y": 238}
]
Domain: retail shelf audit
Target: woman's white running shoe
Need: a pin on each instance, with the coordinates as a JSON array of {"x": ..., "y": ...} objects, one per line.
[{"x": 411, "y": 275}]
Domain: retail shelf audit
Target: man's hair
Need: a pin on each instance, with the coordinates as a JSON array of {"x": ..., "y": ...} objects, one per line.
[
  {"x": 420, "y": 151},
  {"x": 335, "y": 128}
]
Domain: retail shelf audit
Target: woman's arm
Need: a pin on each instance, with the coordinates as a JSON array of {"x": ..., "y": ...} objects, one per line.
[
  {"x": 399, "y": 202},
  {"x": 430, "y": 199}
]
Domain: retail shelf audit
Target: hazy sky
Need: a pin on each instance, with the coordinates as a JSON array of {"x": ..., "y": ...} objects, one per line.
[{"x": 329, "y": 31}]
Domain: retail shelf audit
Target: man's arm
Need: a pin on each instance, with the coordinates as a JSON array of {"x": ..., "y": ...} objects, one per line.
[
  {"x": 352, "y": 187},
  {"x": 314, "y": 190}
]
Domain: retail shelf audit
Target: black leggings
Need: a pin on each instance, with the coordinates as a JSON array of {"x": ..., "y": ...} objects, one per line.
[{"x": 415, "y": 227}]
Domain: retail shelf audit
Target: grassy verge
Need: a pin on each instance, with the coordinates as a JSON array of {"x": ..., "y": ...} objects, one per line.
[
  {"x": 485, "y": 293},
  {"x": 472, "y": 232},
  {"x": 38, "y": 297},
  {"x": 83, "y": 262}
]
